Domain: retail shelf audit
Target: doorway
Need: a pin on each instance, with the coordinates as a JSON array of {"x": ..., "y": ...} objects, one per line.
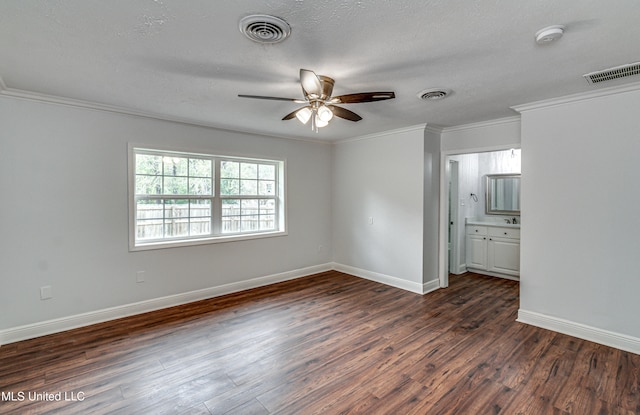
[{"x": 462, "y": 197}]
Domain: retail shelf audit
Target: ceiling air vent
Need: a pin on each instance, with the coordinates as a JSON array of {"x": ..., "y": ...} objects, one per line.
[
  {"x": 263, "y": 28},
  {"x": 433, "y": 94},
  {"x": 613, "y": 73}
]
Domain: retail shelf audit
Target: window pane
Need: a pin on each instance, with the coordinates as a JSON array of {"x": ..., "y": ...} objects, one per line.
[
  {"x": 149, "y": 209},
  {"x": 174, "y": 208},
  {"x": 199, "y": 168},
  {"x": 267, "y": 207},
  {"x": 148, "y": 185},
  {"x": 248, "y": 171},
  {"x": 266, "y": 188},
  {"x": 230, "y": 216},
  {"x": 267, "y": 222},
  {"x": 200, "y": 226},
  {"x": 200, "y": 186},
  {"x": 267, "y": 171},
  {"x": 249, "y": 207},
  {"x": 148, "y": 164},
  {"x": 149, "y": 229},
  {"x": 176, "y": 218},
  {"x": 200, "y": 217},
  {"x": 200, "y": 208},
  {"x": 248, "y": 187},
  {"x": 175, "y": 166},
  {"x": 149, "y": 219},
  {"x": 175, "y": 186},
  {"x": 249, "y": 223},
  {"x": 230, "y": 169},
  {"x": 229, "y": 187}
]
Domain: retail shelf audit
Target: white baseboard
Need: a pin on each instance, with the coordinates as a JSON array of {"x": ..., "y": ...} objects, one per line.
[
  {"x": 388, "y": 280},
  {"x": 432, "y": 285},
  {"x": 582, "y": 331},
  {"x": 43, "y": 328}
]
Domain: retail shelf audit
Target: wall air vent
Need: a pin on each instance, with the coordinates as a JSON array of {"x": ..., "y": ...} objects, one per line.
[
  {"x": 263, "y": 28},
  {"x": 613, "y": 73}
]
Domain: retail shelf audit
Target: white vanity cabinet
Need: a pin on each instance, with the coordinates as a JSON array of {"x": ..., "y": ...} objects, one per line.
[{"x": 493, "y": 250}]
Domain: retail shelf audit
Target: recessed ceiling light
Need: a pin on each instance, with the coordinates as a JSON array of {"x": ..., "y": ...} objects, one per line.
[{"x": 549, "y": 34}]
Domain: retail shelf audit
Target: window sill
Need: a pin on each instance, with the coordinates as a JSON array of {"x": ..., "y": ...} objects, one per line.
[{"x": 203, "y": 241}]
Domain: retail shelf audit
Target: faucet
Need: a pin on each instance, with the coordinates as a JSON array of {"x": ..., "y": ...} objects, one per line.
[
  {"x": 514, "y": 221},
  {"x": 508, "y": 221}
]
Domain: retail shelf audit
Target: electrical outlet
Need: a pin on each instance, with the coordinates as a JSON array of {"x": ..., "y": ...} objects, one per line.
[
  {"x": 140, "y": 276},
  {"x": 46, "y": 292}
]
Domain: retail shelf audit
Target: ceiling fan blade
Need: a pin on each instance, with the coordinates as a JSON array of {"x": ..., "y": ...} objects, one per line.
[
  {"x": 300, "y": 101},
  {"x": 344, "y": 113},
  {"x": 310, "y": 82},
  {"x": 291, "y": 115},
  {"x": 362, "y": 97}
]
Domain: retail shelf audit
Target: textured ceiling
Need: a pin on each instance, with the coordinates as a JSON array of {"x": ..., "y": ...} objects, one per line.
[{"x": 187, "y": 60}]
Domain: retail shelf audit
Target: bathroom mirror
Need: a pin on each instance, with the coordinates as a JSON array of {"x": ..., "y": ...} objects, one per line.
[{"x": 502, "y": 194}]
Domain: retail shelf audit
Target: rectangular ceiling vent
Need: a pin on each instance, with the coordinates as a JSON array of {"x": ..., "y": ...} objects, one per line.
[{"x": 613, "y": 73}]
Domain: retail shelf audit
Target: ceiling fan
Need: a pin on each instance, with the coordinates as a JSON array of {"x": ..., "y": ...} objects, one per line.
[{"x": 320, "y": 106}]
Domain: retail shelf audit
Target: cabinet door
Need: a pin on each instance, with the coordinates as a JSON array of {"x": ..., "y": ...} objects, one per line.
[
  {"x": 476, "y": 251},
  {"x": 503, "y": 255}
]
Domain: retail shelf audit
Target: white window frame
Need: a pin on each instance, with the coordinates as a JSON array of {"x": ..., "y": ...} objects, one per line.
[{"x": 216, "y": 235}]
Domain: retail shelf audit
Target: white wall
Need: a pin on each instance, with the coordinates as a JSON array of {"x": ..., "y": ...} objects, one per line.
[
  {"x": 485, "y": 136},
  {"x": 431, "y": 206},
  {"x": 63, "y": 180},
  {"x": 580, "y": 198},
  {"x": 380, "y": 177}
]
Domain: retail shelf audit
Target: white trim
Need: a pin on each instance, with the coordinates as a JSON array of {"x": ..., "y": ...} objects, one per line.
[
  {"x": 383, "y": 134},
  {"x": 43, "y": 328},
  {"x": 494, "y": 274},
  {"x": 387, "y": 279},
  {"x": 436, "y": 129},
  {"x": 583, "y": 96},
  {"x": 481, "y": 124},
  {"x": 582, "y": 331},
  {"x": 281, "y": 199},
  {"x": 432, "y": 285},
  {"x": 443, "y": 275},
  {"x": 94, "y": 106}
]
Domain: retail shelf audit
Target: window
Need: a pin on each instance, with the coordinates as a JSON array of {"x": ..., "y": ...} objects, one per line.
[{"x": 182, "y": 198}]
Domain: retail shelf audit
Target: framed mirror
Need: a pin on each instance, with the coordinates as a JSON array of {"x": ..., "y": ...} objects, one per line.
[{"x": 502, "y": 193}]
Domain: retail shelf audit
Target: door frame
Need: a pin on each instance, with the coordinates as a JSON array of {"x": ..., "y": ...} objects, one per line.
[{"x": 443, "y": 251}]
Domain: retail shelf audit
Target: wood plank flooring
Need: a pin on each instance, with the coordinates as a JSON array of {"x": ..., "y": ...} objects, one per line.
[{"x": 329, "y": 343}]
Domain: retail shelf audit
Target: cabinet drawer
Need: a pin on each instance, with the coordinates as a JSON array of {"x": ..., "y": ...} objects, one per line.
[
  {"x": 504, "y": 232},
  {"x": 476, "y": 230}
]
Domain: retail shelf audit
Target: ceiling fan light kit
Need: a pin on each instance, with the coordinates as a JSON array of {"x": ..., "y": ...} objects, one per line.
[{"x": 321, "y": 108}]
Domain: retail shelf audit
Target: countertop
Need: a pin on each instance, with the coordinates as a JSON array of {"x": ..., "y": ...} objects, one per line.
[{"x": 495, "y": 224}]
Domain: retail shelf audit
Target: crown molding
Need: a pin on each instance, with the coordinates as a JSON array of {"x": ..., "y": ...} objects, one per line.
[
  {"x": 583, "y": 96},
  {"x": 481, "y": 124},
  {"x": 419, "y": 127},
  {"x": 94, "y": 106}
]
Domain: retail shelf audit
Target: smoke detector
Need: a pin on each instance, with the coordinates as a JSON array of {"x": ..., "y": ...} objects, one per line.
[
  {"x": 549, "y": 34},
  {"x": 263, "y": 28},
  {"x": 433, "y": 94}
]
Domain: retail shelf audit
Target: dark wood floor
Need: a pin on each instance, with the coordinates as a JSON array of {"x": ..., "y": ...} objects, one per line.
[{"x": 326, "y": 344}]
